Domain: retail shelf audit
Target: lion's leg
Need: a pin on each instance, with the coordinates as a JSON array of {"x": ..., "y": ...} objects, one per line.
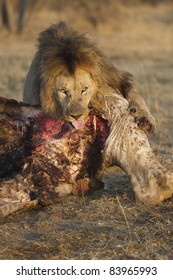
[
  {"x": 137, "y": 106},
  {"x": 139, "y": 110},
  {"x": 128, "y": 147}
]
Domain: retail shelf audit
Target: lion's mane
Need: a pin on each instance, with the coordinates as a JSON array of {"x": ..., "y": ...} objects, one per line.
[{"x": 60, "y": 47}]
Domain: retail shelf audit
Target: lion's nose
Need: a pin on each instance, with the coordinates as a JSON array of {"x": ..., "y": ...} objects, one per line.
[{"x": 76, "y": 117}]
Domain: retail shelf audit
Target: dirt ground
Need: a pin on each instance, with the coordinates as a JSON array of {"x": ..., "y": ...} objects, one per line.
[{"x": 107, "y": 224}]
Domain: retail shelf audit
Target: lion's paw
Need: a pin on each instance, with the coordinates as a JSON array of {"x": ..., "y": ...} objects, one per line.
[{"x": 143, "y": 118}]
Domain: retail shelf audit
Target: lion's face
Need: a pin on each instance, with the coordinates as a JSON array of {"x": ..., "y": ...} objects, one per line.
[{"x": 74, "y": 94}]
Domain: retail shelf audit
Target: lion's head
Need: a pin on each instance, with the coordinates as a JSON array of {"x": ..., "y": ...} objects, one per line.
[
  {"x": 70, "y": 96},
  {"x": 67, "y": 73},
  {"x": 74, "y": 93}
]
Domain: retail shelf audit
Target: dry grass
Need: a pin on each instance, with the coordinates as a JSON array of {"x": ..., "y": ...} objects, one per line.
[{"x": 107, "y": 224}]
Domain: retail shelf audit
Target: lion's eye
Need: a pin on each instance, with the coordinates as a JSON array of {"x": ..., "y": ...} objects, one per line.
[
  {"x": 84, "y": 90},
  {"x": 63, "y": 90}
]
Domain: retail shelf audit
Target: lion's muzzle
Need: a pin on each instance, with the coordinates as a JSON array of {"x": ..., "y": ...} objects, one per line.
[{"x": 76, "y": 112}]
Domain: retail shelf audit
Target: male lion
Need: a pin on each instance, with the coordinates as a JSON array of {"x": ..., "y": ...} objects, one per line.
[{"x": 69, "y": 77}]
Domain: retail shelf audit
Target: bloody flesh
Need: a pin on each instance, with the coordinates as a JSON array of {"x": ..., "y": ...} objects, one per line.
[{"x": 43, "y": 158}]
